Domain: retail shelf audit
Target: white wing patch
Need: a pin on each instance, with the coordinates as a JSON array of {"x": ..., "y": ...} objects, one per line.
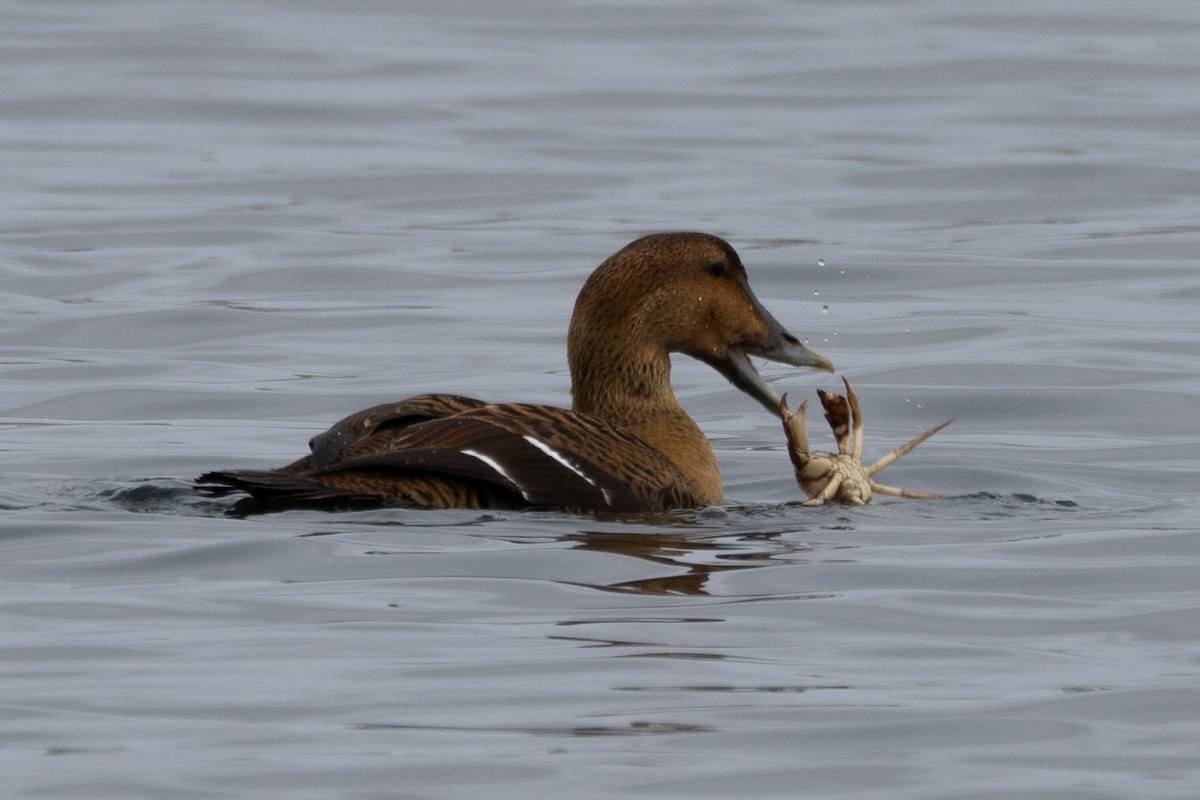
[
  {"x": 494, "y": 464},
  {"x": 562, "y": 459}
]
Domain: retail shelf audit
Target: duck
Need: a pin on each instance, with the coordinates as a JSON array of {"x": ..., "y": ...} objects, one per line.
[{"x": 625, "y": 446}]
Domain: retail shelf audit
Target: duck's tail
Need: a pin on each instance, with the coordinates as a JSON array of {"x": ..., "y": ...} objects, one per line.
[{"x": 273, "y": 488}]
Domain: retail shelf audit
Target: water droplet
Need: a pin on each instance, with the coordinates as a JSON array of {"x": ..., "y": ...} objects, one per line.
[
  {"x": 820, "y": 262},
  {"x": 824, "y": 309},
  {"x": 816, "y": 293}
]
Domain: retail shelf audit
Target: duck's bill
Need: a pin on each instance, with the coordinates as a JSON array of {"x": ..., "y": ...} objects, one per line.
[
  {"x": 772, "y": 342},
  {"x": 741, "y": 373}
]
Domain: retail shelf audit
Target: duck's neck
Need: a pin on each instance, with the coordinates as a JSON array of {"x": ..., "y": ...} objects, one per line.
[
  {"x": 630, "y": 388},
  {"x": 624, "y": 388}
]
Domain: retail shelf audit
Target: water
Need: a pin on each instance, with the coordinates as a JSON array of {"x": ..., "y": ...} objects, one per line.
[{"x": 228, "y": 224}]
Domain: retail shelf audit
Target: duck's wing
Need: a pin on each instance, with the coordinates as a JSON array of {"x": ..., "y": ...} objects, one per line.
[
  {"x": 547, "y": 456},
  {"x": 442, "y": 451},
  {"x": 357, "y": 432}
]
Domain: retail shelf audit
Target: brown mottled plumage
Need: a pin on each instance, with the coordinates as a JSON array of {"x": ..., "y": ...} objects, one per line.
[{"x": 626, "y": 445}]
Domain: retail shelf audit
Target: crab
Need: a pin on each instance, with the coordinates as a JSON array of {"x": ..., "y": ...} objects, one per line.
[{"x": 842, "y": 476}]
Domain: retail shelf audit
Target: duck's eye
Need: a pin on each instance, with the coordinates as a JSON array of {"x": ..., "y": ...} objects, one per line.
[{"x": 716, "y": 269}]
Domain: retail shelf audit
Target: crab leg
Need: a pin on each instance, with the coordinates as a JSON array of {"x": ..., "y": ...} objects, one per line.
[
  {"x": 795, "y": 427},
  {"x": 857, "y": 417},
  {"x": 830, "y": 491},
  {"x": 879, "y": 465},
  {"x": 911, "y": 494}
]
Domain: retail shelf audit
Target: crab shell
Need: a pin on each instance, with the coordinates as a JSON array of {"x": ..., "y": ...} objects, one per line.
[
  {"x": 841, "y": 476},
  {"x": 815, "y": 470}
]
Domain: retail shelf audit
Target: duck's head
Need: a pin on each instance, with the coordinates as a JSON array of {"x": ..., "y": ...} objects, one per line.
[{"x": 683, "y": 293}]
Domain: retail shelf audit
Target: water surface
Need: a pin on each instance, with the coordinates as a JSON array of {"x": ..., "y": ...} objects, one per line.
[{"x": 227, "y": 225}]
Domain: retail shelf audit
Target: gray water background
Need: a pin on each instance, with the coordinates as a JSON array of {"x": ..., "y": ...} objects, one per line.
[{"x": 224, "y": 225}]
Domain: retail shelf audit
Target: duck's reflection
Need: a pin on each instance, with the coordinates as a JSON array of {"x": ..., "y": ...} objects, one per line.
[{"x": 699, "y": 557}]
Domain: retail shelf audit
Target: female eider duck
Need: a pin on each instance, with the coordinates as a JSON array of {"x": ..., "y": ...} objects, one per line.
[{"x": 626, "y": 445}]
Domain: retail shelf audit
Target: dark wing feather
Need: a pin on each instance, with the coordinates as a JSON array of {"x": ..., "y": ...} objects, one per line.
[
  {"x": 276, "y": 488},
  {"x": 331, "y": 445},
  {"x": 477, "y": 450},
  {"x": 445, "y": 450},
  {"x": 549, "y": 456}
]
